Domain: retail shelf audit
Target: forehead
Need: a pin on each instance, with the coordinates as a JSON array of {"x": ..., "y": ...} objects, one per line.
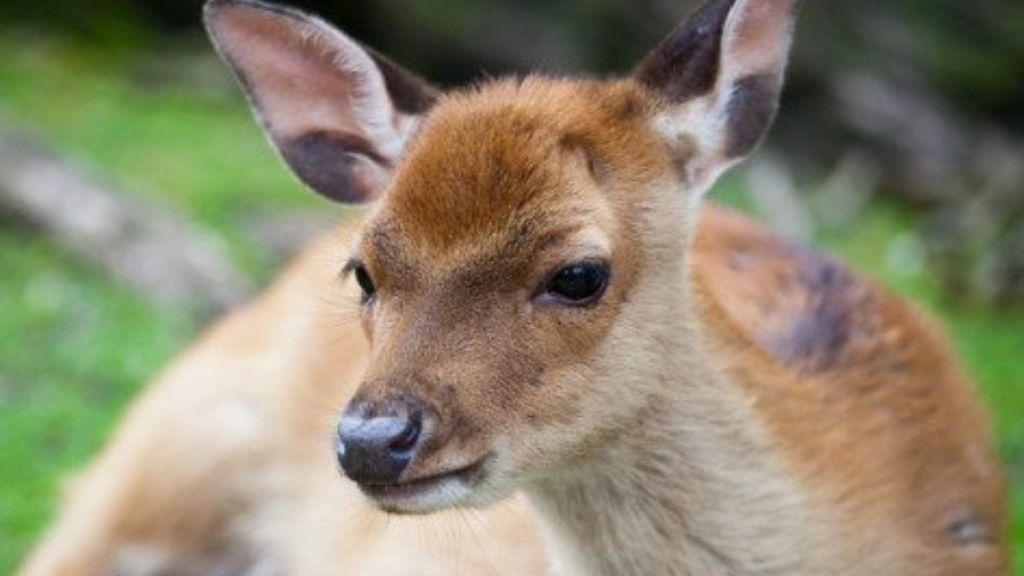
[{"x": 506, "y": 164}]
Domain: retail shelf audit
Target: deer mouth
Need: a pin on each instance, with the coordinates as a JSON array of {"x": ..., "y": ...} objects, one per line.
[{"x": 427, "y": 493}]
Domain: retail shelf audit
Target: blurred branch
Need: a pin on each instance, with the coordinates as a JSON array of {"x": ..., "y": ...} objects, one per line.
[
  {"x": 923, "y": 137},
  {"x": 777, "y": 199},
  {"x": 146, "y": 246}
]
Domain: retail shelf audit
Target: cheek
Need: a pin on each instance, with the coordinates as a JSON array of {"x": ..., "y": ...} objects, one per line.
[
  {"x": 553, "y": 424},
  {"x": 552, "y": 385},
  {"x": 558, "y": 398},
  {"x": 567, "y": 341},
  {"x": 572, "y": 348}
]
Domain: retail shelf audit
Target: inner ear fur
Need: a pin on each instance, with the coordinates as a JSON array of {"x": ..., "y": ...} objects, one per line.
[
  {"x": 727, "y": 61},
  {"x": 338, "y": 113}
]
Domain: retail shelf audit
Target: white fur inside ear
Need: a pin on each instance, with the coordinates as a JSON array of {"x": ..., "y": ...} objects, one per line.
[
  {"x": 371, "y": 106},
  {"x": 755, "y": 42},
  {"x": 324, "y": 101},
  {"x": 303, "y": 75},
  {"x": 756, "y": 39},
  {"x": 695, "y": 128}
]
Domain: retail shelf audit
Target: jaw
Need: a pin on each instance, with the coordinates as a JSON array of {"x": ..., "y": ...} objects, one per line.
[
  {"x": 474, "y": 485},
  {"x": 419, "y": 496}
]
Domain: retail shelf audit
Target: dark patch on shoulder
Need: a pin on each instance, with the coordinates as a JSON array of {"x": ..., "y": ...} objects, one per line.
[
  {"x": 328, "y": 162},
  {"x": 823, "y": 326},
  {"x": 750, "y": 111},
  {"x": 685, "y": 64}
]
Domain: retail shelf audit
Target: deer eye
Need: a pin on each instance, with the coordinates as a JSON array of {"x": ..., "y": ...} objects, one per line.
[
  {"x": 364, "y": 281},
  {"x": 578, "y": 284}
]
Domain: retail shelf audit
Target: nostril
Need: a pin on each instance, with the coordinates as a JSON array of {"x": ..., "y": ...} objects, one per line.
[{"x": 406, "y": 439}]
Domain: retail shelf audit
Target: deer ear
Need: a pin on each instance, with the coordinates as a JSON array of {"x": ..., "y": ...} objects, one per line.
[
  {"x": 719, "y": 75},
  {"x": 338, "y": 113}
]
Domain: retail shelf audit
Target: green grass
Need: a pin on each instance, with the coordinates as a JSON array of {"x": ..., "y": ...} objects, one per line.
[
  {"x": 75, "y": 346},
  {"x": 73, "y": 350}
]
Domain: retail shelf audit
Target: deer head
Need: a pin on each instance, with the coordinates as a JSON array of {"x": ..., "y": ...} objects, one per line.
[{"x": 523, "y": 264}]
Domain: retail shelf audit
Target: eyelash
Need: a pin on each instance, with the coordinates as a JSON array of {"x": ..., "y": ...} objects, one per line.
[{"x": 363, "y": 279}]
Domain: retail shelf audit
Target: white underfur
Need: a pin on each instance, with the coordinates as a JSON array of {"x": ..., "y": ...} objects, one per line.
[
  {"x": 141, "y": 559},
  {"x": 150, "y": 559}
]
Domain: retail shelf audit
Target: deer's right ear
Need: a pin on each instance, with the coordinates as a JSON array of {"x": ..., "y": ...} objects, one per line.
[
  {"x": 338, "y": 113},
  {"x": 718, "y": 77}
]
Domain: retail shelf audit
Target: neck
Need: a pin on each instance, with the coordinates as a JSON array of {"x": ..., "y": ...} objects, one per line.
[{"x": 688, "y": 487}]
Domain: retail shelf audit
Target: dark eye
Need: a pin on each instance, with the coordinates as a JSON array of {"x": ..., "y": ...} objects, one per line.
[
  {"x": 578, "y": 284},
  {"x": 365, "y": 282}
]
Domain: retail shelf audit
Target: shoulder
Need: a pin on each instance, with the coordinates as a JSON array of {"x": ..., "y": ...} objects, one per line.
[{"x": 800, "y": 307}]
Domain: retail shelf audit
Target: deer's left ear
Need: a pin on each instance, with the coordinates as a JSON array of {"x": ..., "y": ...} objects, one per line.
[{"x": 719, "y": 75}]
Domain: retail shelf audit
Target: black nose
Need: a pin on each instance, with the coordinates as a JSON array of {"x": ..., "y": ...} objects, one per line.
[{"x": 374, "y": 447}]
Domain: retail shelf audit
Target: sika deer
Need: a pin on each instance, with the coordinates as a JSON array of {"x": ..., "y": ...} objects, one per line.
[{"x": 550, "y": 310}]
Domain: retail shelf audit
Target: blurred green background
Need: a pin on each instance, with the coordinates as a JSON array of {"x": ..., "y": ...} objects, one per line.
[{"x": 900, "y": 146}]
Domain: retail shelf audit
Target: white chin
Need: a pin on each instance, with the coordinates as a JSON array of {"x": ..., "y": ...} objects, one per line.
[{"x": 420, "y": 497}]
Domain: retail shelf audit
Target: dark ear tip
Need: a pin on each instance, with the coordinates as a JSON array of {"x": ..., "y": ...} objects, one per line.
[{"x": 685, "y": 64}]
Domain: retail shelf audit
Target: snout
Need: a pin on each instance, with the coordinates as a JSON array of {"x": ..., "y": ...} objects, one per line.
[
  {"x": 376, "y": 442},
  {"x": 403, "y": 457}
]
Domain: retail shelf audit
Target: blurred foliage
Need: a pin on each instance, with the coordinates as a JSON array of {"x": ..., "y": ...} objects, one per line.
[
  {"x": 132, "y": 88},
  {"x": 971, "y": 51},
  {"x": 170, "y": 126},
  {"x": 929, "y": 92}
]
